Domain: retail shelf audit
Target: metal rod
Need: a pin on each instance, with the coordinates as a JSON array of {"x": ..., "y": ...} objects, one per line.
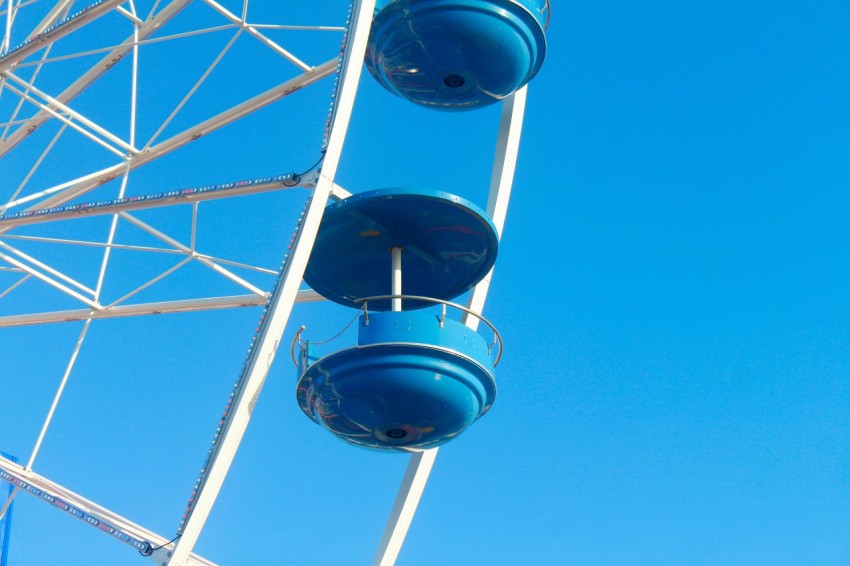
[
  {"x": 53, "y": 105},
  {"x": 49, "y": 281},
  {"x": 159, "y": 200},
  {"x": 78, "y": 506},
  {"x": 401, "y": 516},
  {"x": 226, "y": 273},
  {"x": 419, "y": 467},
  {"x": 95, "y": 72},
  {"x": 165, "y": 307},
  {"x": 39, "y": 38},
  {"x": 396, "y": 284},
  {"x": 85, "y": 184},
  {"x": 194, "y": 88},
  {"x": 58, "y": 396},
  {"x": 262, "y": 38},
  {"x": 48, "y": 269},
  {"x": 280, "y": 305},
  {"x": 62, "y": 118}
]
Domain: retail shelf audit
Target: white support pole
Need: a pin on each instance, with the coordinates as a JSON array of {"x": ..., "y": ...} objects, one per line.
[
  {"x": 78, "y": 506},
  {"x": 146, "y": 30},
  {"x": 501, "y": 184},
  {"x": 147, "y": 201},
  {"x": 69, "y": 116},
  {"x": 10, "y": 10},
  {"x": 280, "y": 305},
  {"x": 256, "y": 34},
  {"x": 38, "y": 41},
  {"x": 226, "y": 273},
  {"x": 419, "y": 466},
  {"x": 44, "y": 267},
  {"x": 164, "y": 307},
  {"x": 58, "y": 395},
  {"x": 89, "y": 182},
  {"x": 396, "y": 284},
  {"x": 50, "y": 281}
]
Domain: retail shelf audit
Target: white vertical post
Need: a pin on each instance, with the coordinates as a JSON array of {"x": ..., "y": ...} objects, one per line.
[
  {"x": 280, "y": 304},
  {"x": 420, "y": 464},
  {"x": 10, "y": 10},
  {"x": 396, "y": 286}
]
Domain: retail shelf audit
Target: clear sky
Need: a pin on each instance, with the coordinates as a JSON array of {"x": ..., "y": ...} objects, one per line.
[{"x": 672, "y": 288}]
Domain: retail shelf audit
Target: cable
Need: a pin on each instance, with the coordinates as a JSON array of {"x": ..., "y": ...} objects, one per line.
[
  {"x": 148, "y": 549},
  {"x": 296, "y": 177}
]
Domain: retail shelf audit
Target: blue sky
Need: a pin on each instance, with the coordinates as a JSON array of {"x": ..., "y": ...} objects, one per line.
[{"x": 671, "y": 288}]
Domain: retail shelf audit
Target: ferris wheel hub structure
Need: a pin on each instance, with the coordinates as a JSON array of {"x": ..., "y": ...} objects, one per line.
[{"x": 457, "y": 54}]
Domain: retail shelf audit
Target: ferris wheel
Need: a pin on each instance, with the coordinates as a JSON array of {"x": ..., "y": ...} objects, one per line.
[{"x": 181, "y": 158}]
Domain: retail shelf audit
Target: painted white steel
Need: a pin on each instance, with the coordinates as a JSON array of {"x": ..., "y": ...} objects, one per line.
[
  {"x": 70, "y": 116},
  {"x": 9, "y": 60},
  {"x": 194, "y": 88},
  {"x": 280, "y": 305},
  {"x": 396, "y": 274},
  {"x": 256, "y": 34},
  {"x": 47, "y": 268},
  {"x": 412, "y": 486},
  {"x": 185, "y": 249},
  {"x": 80, "y": 186},
  {"x": 165, "y": 307},
  {"x": 89, "y": 507},
  {"x": 58, "y": 395},
  {"x": 308, "y": 180},
  {"x": 49, "y": 280},
  {"x": 419, "y": 467},
  {"x": 95, "y": 72},
  {"x": 501, "y": 184}
]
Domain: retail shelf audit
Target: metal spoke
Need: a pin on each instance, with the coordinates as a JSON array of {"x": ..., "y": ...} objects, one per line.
[
  {"x": 47, "y": 268},
  {"x": 185, "y": 249},
  {"x": 256, "y": 34},
  {"x": 95, "y": 72}
]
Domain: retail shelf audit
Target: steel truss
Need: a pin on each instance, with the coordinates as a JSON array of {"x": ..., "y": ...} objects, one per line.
[{"x": 31, "y": 207}]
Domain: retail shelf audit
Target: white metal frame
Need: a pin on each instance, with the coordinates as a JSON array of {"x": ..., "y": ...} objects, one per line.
[
  {"x": 420, "y": 464},
  {"x": 281, "y": 302},
  {"x": 278, "y": 303}
]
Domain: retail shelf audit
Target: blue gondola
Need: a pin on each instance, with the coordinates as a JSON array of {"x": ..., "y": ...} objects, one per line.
[
  {"x": 416, "y": 378},
  {"x": 457, "y": 54}
]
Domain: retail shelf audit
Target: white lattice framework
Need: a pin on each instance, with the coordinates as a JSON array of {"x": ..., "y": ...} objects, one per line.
[{"x": 53, "y": 55}]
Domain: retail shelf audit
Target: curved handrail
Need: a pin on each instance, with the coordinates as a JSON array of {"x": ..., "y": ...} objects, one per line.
[
  {"x": 497, "y": 338},
  {"x": 296, "y": 340}
]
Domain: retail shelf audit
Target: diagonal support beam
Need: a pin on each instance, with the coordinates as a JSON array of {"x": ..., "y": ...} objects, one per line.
[
  {"x": 69, "y": 115},
  {"x": 78, "y": 506},
  {"x": 253, "y": 32},
  {"x": 85, "y": 184},
  {"x": 164, "y": 307},
  {"x": 226, "y": 273},
  {"x": 142, "y": 202},
  {"x": 250, "y": 384},
  {"x": 94, "y": 73},
  {"x": 420, "y": 465},
  {"x": 55, "y": 32},
  {"x": 49, "y": 280}
]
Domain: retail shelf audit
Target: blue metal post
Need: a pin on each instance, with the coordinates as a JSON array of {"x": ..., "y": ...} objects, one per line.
[{"x": 6, "y": 521}]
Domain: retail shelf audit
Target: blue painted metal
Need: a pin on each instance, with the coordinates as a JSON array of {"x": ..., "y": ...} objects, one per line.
[
  {"x": 6, "y": 521},
  {"x": 457, "y": 54},
  {"x": 449, "y": 245},
  {"x": 410, "y": 384}
]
